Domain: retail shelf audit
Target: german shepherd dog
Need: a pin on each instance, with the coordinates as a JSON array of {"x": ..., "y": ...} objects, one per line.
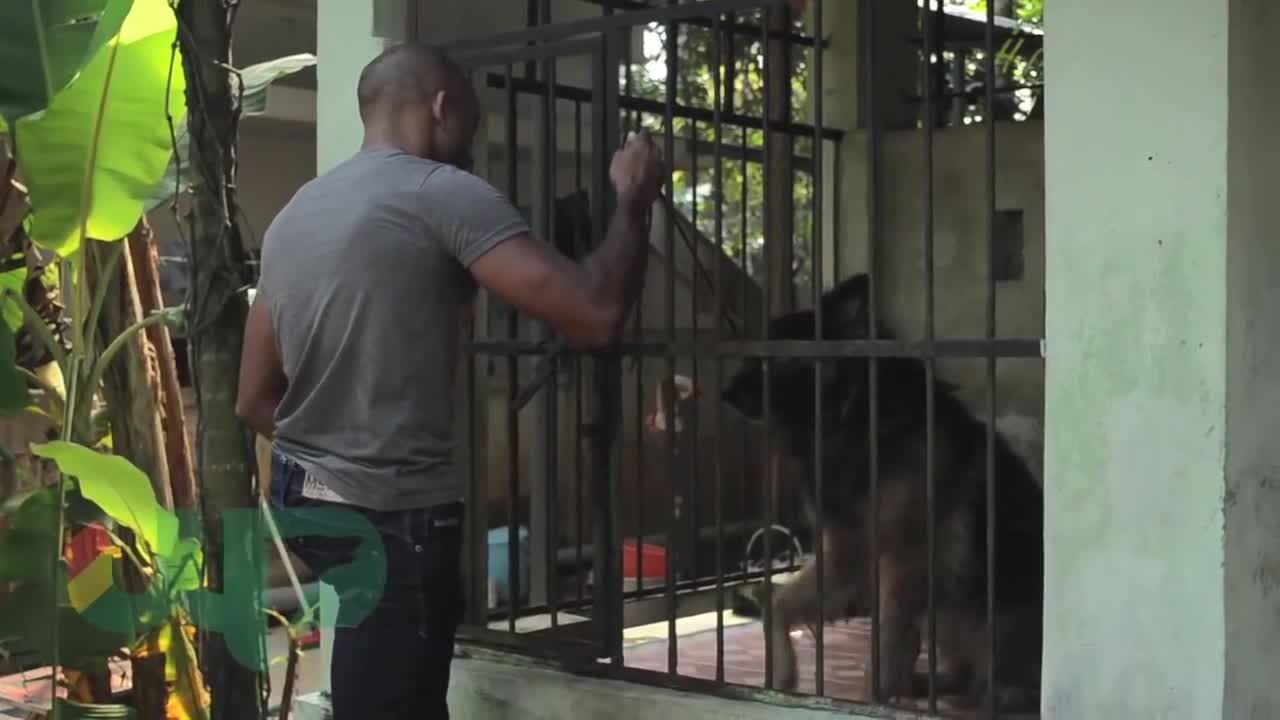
[{"x": 959, "y": 458}]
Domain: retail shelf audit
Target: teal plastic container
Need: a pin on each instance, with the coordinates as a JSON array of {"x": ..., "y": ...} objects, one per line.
[{"x": 499, "y": 575}]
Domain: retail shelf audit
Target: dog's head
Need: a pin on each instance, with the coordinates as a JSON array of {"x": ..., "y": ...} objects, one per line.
[{"x": 791, "y": 381}]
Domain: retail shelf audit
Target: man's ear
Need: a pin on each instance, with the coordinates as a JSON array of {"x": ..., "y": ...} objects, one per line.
[{"x": 437, "y": 106}]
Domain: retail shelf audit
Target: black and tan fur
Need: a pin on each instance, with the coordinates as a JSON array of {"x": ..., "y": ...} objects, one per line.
[{"x": 960, "y": 507}]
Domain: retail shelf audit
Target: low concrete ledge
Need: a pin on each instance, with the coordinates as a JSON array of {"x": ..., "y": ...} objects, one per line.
[{"x": 494, "y": 686}]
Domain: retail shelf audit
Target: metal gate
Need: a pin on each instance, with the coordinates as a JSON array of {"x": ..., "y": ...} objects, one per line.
[{"x": 568, "y": 434}]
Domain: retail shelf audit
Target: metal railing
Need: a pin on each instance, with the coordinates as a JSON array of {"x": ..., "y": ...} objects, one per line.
[{"x": 588, "y": 388}]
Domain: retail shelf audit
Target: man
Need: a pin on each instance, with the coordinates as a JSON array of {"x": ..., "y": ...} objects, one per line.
[{"x": 351, "y": 349}]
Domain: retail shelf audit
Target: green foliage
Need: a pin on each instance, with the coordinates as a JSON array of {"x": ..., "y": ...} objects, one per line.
[
  {"x": 119, "y": 488},
  {"x": 256, "y": 81},
  {"x": 99, "y": 148},
  {"x": 46, "y": 42},
  {"x": 741, "y": 201}
]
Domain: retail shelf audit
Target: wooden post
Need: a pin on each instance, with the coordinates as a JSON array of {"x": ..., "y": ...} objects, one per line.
[{"x": 145, "y": 263}]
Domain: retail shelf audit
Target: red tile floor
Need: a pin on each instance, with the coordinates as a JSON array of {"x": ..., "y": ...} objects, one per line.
[{"x": 846, "y": 651}]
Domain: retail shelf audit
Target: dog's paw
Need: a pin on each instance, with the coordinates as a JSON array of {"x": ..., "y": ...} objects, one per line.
[{"x": 786, "y": 674}]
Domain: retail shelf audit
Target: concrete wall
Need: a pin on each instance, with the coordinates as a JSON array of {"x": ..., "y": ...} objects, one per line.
[
  {"x": 496, "y": 687},
  {"x": 1162, "y": 544}
]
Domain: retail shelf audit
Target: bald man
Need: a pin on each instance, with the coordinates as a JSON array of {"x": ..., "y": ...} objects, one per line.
[{"x": 351, "y": 348}]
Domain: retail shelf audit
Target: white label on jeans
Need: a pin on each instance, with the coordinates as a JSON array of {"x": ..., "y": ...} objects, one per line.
[{"x": 315, "y": 489}]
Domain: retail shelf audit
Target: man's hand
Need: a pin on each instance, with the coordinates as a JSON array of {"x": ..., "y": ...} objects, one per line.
[{"x": 638, "y": 171}]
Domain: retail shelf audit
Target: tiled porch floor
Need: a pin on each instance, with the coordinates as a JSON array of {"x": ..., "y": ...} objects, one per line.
[{"x": 846, "y": 651}]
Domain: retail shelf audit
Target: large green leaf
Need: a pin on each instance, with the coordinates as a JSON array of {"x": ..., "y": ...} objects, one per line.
[
  {"x": 257, "y": 81},
  {"x": 102, "y": 144},
  {"x": 46, "y": 42},
  {"x": 119, "y": 488}
]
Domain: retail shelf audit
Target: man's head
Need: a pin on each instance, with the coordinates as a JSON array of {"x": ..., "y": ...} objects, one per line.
[{"x": 417, "y": 99}]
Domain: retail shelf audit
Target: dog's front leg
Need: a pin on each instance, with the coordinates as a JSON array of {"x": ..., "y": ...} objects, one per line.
[
  {"x": 899, "y": 630},
  {"x": 796, "y": 603}
]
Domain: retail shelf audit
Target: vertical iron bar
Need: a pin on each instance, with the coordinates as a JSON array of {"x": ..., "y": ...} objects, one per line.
[
  {"x": 531, "y": 20},
  {"x": 513, "y": 381},
  {"x": 927, "y": 23},
  {"x": 412, "y": 18},
  {"x": 766, "y": 309},
  {"x": 637, "y": 362},
  {"x": 692, "y": 424},
  {"x": 836, "y": 255},
  {"x": 816, "y": 285},
  {"x": 745, "y": 282},
  {"x": 552, "y": 388},
  {"x": 607, "y": 588},
  {"x": 673, "y": 549},
  {"x": 989, "y": 59},
  {"x": 476, "y": 496},
  {"x": 869, "y": 37},
  {"x": 579, "y": 247},
  {"x": 717, "y": 199}
]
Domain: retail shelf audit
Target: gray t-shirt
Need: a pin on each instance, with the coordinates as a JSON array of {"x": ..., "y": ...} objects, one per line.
[{"x": 366, "y": 272}]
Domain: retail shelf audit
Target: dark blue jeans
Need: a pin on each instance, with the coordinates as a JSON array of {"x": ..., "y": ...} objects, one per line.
[{"x": 394, "y": 661}]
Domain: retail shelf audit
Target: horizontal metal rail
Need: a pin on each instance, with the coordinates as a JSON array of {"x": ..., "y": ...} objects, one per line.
[
  {"x": 511, "y": 56},
  {"x": 976, "y": 348},
  {"x": 605, "y": 24},
  {"x": 740, "y": 29},
  {"x": 685, "y": 112}
]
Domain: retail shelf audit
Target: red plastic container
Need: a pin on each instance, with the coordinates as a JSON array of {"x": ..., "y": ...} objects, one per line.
[{"x": 655, "y": 560}]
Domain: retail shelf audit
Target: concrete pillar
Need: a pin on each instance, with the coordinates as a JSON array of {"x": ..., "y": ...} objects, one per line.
[
  {"x": 345, "y": 43},
  {"x": 1163, "y": 377}
]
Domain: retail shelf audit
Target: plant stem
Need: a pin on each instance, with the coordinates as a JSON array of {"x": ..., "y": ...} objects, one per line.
[
  {"x": 105, "y": 271},
  {"x": 117, "y": 344}
]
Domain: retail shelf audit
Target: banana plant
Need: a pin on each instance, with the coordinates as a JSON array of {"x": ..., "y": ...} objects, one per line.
[
  {"x": 90, "y": 121},
  {"x": 255, "y": 81}
]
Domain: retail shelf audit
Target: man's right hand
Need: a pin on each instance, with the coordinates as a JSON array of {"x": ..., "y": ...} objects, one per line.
[{"x": 638, "y": 171}]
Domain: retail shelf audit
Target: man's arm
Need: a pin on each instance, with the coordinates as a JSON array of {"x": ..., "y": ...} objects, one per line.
[
  {"x": 587, "y": 302},
  {"x": 262, "y": 379}
]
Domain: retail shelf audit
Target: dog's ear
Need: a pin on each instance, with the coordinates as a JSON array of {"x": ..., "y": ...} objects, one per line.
[
  {"x": 845, "y": 305},
  {"x": 743, "y": 392}
]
